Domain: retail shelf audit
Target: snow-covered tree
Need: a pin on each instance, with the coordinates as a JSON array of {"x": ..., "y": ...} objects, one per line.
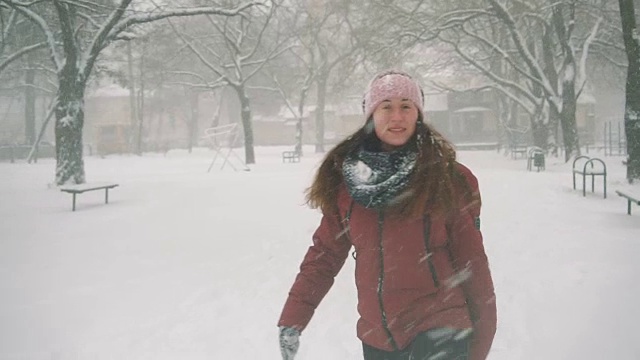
[
  {"x": 632, "y": 108},
  {"x": 22, "y": 60},
  {"x": 539, "y": 43},
  {"x": 16, "y": 37},
  {"x": 234, "y": 51},
  {"x": 76, "y": 32},
  {"x": 351, "y": 36}
]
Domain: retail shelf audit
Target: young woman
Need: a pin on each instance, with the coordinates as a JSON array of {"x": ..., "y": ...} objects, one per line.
[{"x": 394, "y": 192}]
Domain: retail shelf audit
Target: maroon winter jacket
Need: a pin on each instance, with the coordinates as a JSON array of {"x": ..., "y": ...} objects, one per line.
[{"x": 411, "y": 274}]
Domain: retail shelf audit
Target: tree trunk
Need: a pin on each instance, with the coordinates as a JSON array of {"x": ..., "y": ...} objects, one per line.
[
  {"x": 540, "y": 132},
  {"x": 553, "y": 126},
  {"x": 140, "y": 109},
  {"x": 193, "y": 122},
  {"x": 68, "y": 130},
  {"x": 567, "y": 113},
  {"x": 632, "y": 107},
  {"x": 568, "y": 121},
  {"x": 299, "y": 140},
  {"x": 299, "y": 124},
  {"x": 30, "y": 105},
  {"x": 161, "y": 144},
  {"x": 133, "y": 107},
  {"x": 245, "y": 110},
  {"x": 322, "y": 98}
]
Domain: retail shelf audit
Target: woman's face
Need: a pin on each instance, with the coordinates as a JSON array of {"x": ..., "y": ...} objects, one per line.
[{"x": 395, "y": 121}]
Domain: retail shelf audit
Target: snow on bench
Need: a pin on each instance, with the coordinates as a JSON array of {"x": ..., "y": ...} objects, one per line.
[{"x": 81, "y": 188}]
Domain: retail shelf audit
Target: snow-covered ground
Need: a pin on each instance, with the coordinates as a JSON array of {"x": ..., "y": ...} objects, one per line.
[{"x": 185, "y": 264}]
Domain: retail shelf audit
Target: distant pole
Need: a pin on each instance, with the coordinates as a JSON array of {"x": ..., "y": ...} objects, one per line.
[
  {"x": 610, "y": 139},
  {"x": 620, "y": 151},
  {"x": 132, "y": 87}
]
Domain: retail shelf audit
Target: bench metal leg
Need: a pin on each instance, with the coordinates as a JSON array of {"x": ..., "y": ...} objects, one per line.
[
  {"x": 628, "y": 207},
  {"x": 106, "y": 196},
  {"x": 73, "y": 208},
  {"x": 584, "y": 185}
]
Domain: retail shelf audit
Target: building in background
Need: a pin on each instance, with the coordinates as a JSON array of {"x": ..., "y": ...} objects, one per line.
[{"x": 177, "y": 118}]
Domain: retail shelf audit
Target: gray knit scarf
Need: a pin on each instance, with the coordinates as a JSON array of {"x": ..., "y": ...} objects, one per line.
[{"x": 377, "y": 179}]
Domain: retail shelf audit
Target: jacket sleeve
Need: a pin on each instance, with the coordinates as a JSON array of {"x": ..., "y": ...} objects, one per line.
[
  {"x": 321, "y": 264},
  {"x": 470, "y": 261}
]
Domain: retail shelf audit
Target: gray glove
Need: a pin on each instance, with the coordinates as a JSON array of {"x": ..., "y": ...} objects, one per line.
[{"x": 289, "y": 342}]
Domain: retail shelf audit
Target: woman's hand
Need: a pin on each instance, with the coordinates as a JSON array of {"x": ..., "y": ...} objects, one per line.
[{"x": 289, "y": 342}]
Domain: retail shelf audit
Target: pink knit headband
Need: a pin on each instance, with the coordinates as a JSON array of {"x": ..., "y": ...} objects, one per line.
[{"x": 390, "y": 84}]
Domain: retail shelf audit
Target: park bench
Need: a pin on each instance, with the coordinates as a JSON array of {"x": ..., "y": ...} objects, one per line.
[
  {"x": 290, "y": 156},
  {"x": 590, "y": 167},
  {"x": 630, "y": 199},
  {"x": 82, "y": 188}
]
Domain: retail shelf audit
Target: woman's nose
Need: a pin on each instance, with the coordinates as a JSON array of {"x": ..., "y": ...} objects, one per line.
[{"x": 396, "y": 114}]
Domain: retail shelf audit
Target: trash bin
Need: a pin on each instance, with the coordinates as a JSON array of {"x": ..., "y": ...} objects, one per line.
[{"x": 538, "y": 160}]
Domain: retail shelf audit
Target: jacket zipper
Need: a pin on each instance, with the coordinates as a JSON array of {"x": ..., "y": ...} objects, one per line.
[
  {"x": 385, "y": 324},
  {"x": 346, "y": 227},
  {"x": 426, "y": 220}
]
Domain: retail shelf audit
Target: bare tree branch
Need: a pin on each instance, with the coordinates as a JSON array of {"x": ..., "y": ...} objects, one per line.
[
  {"x": 42, "y": 24},
  {"x": 18, "y": 54},
  {"x": 7, "y": 28},
  {"x": 145, "y": 18},
  {"x": 585, "y": 52},
  {"x": 260, "y": 34},
  {"x": 117, "y": 23},
  {"x": 69, "y": 44},
  {"x": 503, "y": 54},
  {"x": 213, "y": 67},
  {"x": 494, "y": 77},
  {"x": 217, "y": 83},
  {"x": 528, "y": 58},
  {"x": 198, "y": 85}
]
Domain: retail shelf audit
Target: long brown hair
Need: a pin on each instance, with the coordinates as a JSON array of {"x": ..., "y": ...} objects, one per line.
[{"x": 432, "y": 184}]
